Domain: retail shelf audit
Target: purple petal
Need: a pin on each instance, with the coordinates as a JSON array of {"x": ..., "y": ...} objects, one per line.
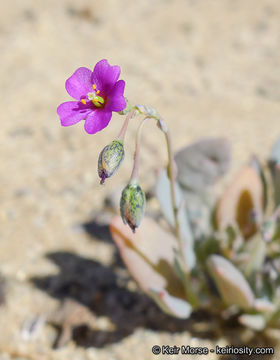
[
  {"x": 97, "y": 120},
  {"x": 115, "y": 99},
  {"x": 79, "y": 84},
  {"x": 72, "y": 112},
  {"x": 105, "y": 76}
]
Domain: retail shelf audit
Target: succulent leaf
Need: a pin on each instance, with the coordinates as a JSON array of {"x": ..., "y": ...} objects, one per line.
[
  {"x": 257, "y": 166},
  {"x": 256, "y": 251},
  {"x": 187, "y": 240},
  {"x": 171, "y": 305},
  {"x": 202, "y": 163},
  {"x": 232, "y": 285},
  {"x": 148, "y": 255},
  {"x": 271, "y": 227},
  {"x": 163, "y": 194},
  {"x": 164, "y": 197},
  {"x": 275, "y": 151},
  {"x": 242, "y": 203},
  {"x": 199, "y": 210},
  {"x": 254, "y": 322},
  {"x": 274, "y": 165},
  {"x": 264, "y": 305},
  {"x": 179, "y": 266}
]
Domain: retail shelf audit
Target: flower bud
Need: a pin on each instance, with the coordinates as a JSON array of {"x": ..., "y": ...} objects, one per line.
[
  {"x": 133, "y": 201},
  {"x": 110, "y": 159}
]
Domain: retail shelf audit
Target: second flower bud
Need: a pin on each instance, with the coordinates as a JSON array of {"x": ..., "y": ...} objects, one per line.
[{"x": 132, "y": 205}]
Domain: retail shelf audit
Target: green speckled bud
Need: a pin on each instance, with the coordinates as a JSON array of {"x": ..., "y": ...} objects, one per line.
[
  {"x": 110, "y": 159},
  {"x": 132, "y": 205}
]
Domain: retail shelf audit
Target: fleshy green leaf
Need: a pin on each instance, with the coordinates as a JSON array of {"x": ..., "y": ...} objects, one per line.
[
  {"x": 232, "y": 285},
  {"x": 275, "y": 151},
  {"x": 254, "y": 322},
  {"x": 271, "y": 227},
  {"x": 256, "y": 248},
  {"x": 171, "y": 305},
  {"x": 264, "y": 305},
  {"x": 199, "y": 209},
  {"x": 257, "y": 166},
  {"x": 202, "y": 163},
  {"x": 274, "y": 165},
  {"x": 242, "y": 203},
  {"x": 164, "y": 197},
  {"x": 148, "y": 255}
]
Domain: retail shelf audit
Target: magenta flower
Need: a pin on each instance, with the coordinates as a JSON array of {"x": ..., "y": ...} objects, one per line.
[{"x": 98, "y": 94}]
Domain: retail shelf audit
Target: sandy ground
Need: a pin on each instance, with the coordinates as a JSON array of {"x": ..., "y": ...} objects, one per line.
[{"x": 209, "y": 67}]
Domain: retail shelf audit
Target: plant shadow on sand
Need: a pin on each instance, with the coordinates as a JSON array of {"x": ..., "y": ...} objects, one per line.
[{"x": 103, "y": 291}]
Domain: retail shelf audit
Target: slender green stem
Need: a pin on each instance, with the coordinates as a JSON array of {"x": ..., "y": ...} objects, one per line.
[
  {"x": 151, "y": 113},
  {"x": 122, "y": 133},
  {"x": 171, "y": 171},
  {"x": 135, "y": 170},
  {"x": 172, "y": 176}
]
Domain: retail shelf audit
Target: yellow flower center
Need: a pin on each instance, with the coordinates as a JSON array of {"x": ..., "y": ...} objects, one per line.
[{"x": 97, "y": 100}]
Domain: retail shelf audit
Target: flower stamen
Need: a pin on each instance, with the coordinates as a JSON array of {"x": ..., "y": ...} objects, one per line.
[
  {"x": 83, "y": 101},
  {"x": 93, "y": 86},
  {"x": 97, "y": 101}
]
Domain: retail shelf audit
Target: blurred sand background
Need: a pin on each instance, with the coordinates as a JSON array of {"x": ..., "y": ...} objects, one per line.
[{"x": 209, "y": 67}]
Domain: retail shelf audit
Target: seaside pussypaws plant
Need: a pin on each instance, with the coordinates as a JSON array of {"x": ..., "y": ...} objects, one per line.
[
  {"x": 228, "y": 256},
  {"x": 215, "y": 252}
]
